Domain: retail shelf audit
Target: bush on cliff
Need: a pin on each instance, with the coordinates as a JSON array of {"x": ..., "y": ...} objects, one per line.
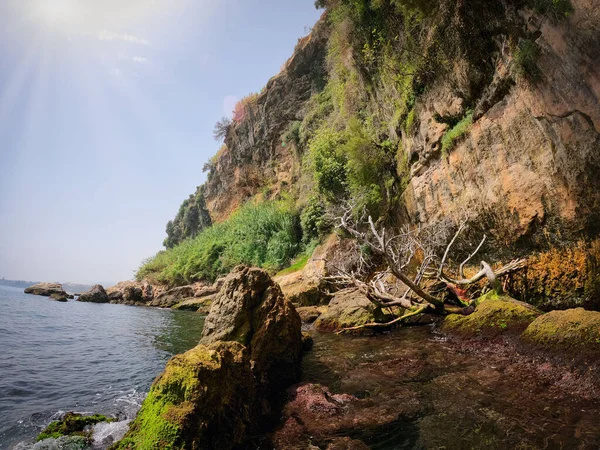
[{"x": 265, "y": 235}]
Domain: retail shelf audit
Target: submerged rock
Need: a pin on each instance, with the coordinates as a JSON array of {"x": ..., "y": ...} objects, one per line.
[
  {"x": 573, "y": 329},
  {"x": 205, "y": 398},
  {"x": 494, "y": 315},
  {"x": 72, "y": 424},
  {"x": 53, "y": 290},
  {"x": 349, "y": 308},
  {"x": 252, "y": 310},
  {"x": 97, "y": 294}
]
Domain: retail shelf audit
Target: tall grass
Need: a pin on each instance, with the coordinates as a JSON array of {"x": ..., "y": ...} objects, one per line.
[{"x": 265, "y": 235}]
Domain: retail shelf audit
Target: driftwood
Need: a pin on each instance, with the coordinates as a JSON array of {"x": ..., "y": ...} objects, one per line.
[{"x": 398, "y": 250}]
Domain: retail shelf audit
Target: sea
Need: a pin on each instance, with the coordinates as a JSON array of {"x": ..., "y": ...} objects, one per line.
[{"x": 81, "y": 357}]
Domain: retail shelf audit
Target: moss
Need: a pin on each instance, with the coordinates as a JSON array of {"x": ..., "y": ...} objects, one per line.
[
  {"x": 456, "y": 132},
  {"x": 560, "y": 278},
  {"x": 190, "y": 397},
  {"x": 72, "y": 425},
  {"x": 494, "y": 315},
  {"x": 570, "y": 329}
]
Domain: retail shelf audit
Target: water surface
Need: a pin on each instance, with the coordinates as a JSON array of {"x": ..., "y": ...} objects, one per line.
[{"x": 57, "y": 357}]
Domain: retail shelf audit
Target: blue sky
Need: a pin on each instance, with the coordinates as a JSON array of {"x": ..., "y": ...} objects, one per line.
[{"x": 106, "y": 119}]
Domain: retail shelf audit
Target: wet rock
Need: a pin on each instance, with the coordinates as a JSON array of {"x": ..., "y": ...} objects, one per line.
[
  {"x": 571, "y": 330},
  {"x": 52, "y": 290},
  {"x": 349, "y": 308},
  {"x": 307, "y": 341},
  {"x": 173, "y": 297},
  {"x": 59, "y": 297},
  {"x": 131, "y": 293},
  {"x": 72, "y": 424},
  {"x": 96, "y": 294},
  {"x": 308, "y": 314},
  {"x": 494, "y": 316},
  {"x": 205, "y": 398},
  {"x": 252, "y": 310},
  {"x": 200, "y": 305}
]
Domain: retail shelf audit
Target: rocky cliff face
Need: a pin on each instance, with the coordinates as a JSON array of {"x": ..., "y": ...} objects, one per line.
[
  {"x": 532, "y": 158},
  {"x": 254, "y": 158}
]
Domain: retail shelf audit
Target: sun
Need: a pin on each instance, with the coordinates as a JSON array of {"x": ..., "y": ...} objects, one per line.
[{"x": 59, "y": 12}]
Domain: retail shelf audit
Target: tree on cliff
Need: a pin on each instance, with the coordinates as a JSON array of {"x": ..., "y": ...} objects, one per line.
[{"x": 412, "y": 251}]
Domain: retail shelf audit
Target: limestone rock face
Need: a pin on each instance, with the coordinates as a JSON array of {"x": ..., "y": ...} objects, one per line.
[
  {"x": 205, "y": 399},
  {"x": 53, "y": 290},
  {"x": 349, "y": 308},
  {"x": 96, "y": 294},
  {"x": 252, "y": 310}
]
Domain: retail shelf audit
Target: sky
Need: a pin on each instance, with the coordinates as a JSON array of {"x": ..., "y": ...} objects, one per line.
[{"x": 107, "y": 109}]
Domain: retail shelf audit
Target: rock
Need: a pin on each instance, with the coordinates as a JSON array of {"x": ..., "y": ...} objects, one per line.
[
  {"x": 131, "y": 293},
  {"x": 200, "y": 305},
  {"x": 347, "y": 443},
  {"x": 252, "y": 310},
  {"x": 205, "y": 399},
  {"x": 173, "y": 297},
  {"x": 349, "y": 308},
  {"x": 307, "y": 341},
  {"x": 52, "y": 290},
  {"x": 96, "y": 294},
  {"x": 59, "y": 297},
  {"x": 72, "y": 424},
  {"x": 308, "y": 314},
  {"x": 574, "y": 330},
  {"x": 494, "y": 315}
]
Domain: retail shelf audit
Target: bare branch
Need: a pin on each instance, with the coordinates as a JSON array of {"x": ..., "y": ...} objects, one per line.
[
  {"x": 387, "y": 324},
  {"x": 461, "y": 269}
]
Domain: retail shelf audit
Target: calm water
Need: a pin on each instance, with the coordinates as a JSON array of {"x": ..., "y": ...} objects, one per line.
[{"x": 57, "y": 357}]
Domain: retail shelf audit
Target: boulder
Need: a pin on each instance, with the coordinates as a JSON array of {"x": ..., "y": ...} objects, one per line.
[
  {"x": 53, "y": 290},
  {"x": 72, "y": 424},
  {"x": 494, "y": 315},
  {"x": 131, "y": 293},
  {"x": 574, "y": 330},
  {"x": 96, "y": 294},
  {"x": 173, "y": 297},
  {"x": 252, "y": 310},
  {"x": 308, "y": 314},
  {"x": 349, "y": 308},
  {"x": 200, "y": 305},
  {"x": 204, "y": 399}
]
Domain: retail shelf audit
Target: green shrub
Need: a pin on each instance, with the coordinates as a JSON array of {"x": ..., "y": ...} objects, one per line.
[
  {"x": 459, "y": 130},
  {"x": 557, "y": 9},
  {"x": 328, "y": 163},
  {"x": 265, "y": 235},
  {"x": 313, "y": 220},
  {"x": 526, "y": 57}
]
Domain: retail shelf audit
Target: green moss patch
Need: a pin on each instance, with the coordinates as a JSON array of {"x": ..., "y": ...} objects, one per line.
[
  {"x": 571, "y": 329},
  {"x": 495, "y": 315},
  {"x": 72, "y": 425}
]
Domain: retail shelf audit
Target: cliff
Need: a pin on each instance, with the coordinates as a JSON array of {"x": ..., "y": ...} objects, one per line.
[{"x": 423, "y": 111}]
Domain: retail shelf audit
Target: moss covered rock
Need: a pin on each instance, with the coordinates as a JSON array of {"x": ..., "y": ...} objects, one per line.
[
  {"x": 494, "y": 315},
  {"x": 575, "y": 329},
  {"x": 252, "y": 310},
  {"x": 349, "y": 308},
  {"x": 72, "y": 424},
  {"x": 204, "y": 399}
]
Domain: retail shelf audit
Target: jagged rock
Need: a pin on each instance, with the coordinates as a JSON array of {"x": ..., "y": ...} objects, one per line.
[
  {"x": 52, "y": 290},
  {"x": 349, "y": 308},
  {"x": 494, "y": 316},
  {"x": 131, "y": 293},
  {"x": 252, "y": 310},
  {"x": 205, "y": 399},
  {"x": 173, "y": 297},
  {"x": 574, "y": 330},
  {"x": 96, "y": 294}
]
